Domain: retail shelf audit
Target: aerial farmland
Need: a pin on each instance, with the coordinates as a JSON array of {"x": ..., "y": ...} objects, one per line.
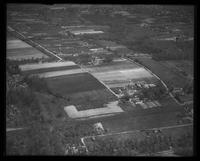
[{"x": 99, "y": 80}]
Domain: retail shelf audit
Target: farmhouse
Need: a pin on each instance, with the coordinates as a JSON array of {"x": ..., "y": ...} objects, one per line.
[{"x": 98, "y": 127}]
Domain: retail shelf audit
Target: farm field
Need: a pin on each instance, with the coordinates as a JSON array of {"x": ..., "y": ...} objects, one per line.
[
  {"x": 51, "y": 69},
  {"x": 75, "y": 93},
  {"x": 114, "y": 65},
  {"x": 181, "y": 66},
  {"x": 119, "y": 73},
  {"x": 173, "y": 131},
  {"x": 92, "y": 99},
  {"x": 169, "y": 77},
  {"x": 17, "y": 50},
  {"x": 45, "y": 67},
  {"x": 66, "y": 85},
  {"x": 90, "y": 96},
  {"x": 141, "y": 119},
  {"x": 110, "y": 108}
]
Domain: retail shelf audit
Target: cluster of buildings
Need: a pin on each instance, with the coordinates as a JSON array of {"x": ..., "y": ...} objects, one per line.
[
  {"x": 98, "y": 128},
  {"x": 132, "y": 90}
]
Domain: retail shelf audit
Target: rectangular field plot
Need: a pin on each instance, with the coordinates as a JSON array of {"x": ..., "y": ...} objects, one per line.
[
  {"x": 68, "y": 84},
  {"x": 112, "y": 78},
  {"x": 15, "y": 44},
  {"x": 143, "y": 119},
  {"x": 119, "y": 73},
  {"x": 24, "y": 53},
  {"x": 60, "y": 73},
  {"x": 111, "y": 107},
  {"x": 52, "y": 69},
  {"x": 115, "y": 85},
  {"x": 116, "y": 65},
  {"x": 17, "y": 50},
  {"x": 166, "y": 74},
  {"x": 172, "y": 131},
  {"x": 48, "y": 67},
  {"x": 183, "y": 67}
]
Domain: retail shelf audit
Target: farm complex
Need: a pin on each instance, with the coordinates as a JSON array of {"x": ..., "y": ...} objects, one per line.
[{"x": 74, "y": 87}]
